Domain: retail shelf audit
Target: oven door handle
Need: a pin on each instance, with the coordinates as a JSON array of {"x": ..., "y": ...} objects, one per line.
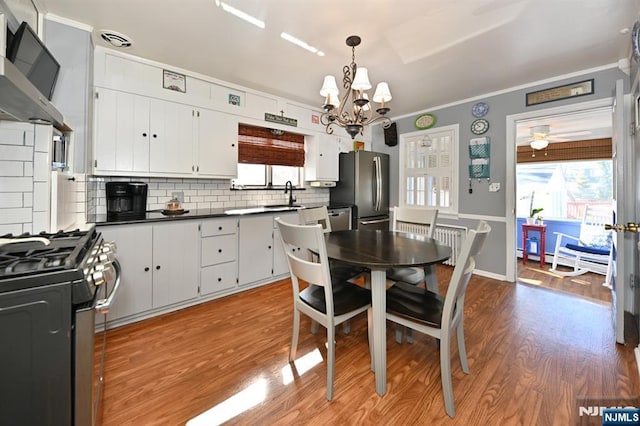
[{"x": 103, "y": 305}]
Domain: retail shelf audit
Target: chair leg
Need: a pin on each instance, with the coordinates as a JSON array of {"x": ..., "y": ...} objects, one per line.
[
  {"x": 314, "y": 327},
  {"x": 331, "y": 357},
  {"x": 399, "y": 333},
  {"x": 370, "y": 335},
  {"x": 346, "y": 327},
  {"x": 409, "y": 335},
  {"x": 294, "y": 335},
  {"x": 445, "y": 373},
  {"x": 462, "y": 349}
]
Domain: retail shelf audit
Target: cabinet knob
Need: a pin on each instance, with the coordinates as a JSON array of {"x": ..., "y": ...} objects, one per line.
[
  {"x": 269, "y": 247},
  {"x": 155, "y": 136},
  {"x": 158, "y": 267},
  {"x": 233, "y": 144},
  {"x": 219, "y": 228},
  {"x": 146, "y": 269},
  {"x": 144, "y": 135},
  {"x": 219, "y": 279},
  {"x": 219, "y": 250}
]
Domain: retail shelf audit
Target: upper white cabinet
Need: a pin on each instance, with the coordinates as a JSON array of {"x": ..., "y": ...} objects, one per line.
[
  {"x": 216, "y": 154},
  {"x": 143, "y": 135},
  {"x": 147, "y": 136},
  {"x": 322, "y": 157}
]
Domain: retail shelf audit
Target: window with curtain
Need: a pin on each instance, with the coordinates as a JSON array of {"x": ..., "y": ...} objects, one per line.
[
  {"x": 268, "y": 157},
  {"x": 428, "y": 169}
]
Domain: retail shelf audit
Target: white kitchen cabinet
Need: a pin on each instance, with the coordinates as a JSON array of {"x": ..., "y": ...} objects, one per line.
[
  {"x": 218, "y": 255},
  {"x": 175, "y": 262},
  {"x": 159, "y": 262},
  {"x": 216, "y": 150},
  {"x": 280, "y": 264},
  {"x": 260, "y": 254},
  {"x": 134, "y": 252},
  {"x": 255, "y": 255},
  {"x": 171, "y": 136},
  {"x": 322, "y": 157},
  {"x": 142, "y": 135}
]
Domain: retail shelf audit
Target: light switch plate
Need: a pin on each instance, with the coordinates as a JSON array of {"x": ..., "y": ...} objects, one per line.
[
  {"x": 494, "y": 187},
  {"x": 179, "y": 195}
]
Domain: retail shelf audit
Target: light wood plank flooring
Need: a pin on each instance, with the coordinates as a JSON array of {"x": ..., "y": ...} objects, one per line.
[
  {"x": 587, "y": 285},
  {"x": 532, "y": 352}
]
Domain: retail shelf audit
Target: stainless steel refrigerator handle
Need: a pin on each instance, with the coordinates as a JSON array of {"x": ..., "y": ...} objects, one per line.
[
  {"x": 376, "y": 161},
  {"x": 371, "y": 222},
  {"x": 103, "y": 305}
]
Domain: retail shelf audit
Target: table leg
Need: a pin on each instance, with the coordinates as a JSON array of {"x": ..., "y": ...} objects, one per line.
[
  {"x": 379, "y": 304},
  {"x": 431, "y": 278}
]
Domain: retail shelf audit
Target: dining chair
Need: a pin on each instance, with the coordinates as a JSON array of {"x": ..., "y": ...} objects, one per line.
[
  {"x": 429, "y": 313},
  {"x": 417, "y": 221},
  {"x": 340, "y": 272},
  {"x": 323, "y": 302}
]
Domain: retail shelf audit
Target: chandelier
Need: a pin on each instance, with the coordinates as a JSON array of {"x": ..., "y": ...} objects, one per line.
[{"x": 353, "y": 111}]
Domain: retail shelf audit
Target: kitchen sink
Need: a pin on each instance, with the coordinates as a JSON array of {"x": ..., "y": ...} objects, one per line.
[{"x": 260, "y": 209}]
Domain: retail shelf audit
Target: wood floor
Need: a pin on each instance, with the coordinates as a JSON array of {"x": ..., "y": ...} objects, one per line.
[
  {"x": 588, "y": 285},
  {"x": 532, "y": 353}
]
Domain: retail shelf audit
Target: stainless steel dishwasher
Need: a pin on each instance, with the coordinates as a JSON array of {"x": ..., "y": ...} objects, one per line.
[{"x": 340, "y": 218}]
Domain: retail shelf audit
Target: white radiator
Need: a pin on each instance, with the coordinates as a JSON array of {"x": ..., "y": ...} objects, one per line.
[
  {"x": 451, "y": 236},
  {"x": 448, "y": 235}
]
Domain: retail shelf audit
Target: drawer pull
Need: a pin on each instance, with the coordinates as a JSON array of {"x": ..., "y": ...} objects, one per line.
[
  {"x": 219, "y": 228},
  {"x": 219, "y": 279},
  {"x": 219, "y": 250}
]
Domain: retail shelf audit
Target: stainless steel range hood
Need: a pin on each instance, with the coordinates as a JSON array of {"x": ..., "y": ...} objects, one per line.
[{"x": 21, "y": 101}]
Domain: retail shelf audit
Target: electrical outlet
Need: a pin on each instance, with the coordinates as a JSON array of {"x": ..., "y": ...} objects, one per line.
[
  {"x": 179, "y": 195},
  {"x": 494, "y": 187}
]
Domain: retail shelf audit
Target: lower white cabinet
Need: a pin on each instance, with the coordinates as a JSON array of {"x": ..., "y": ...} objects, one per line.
[
  {"x": 134, "y": 252},
  {"x": 260, "y": 253},
  {"x": 218, "y": 255},
  {"x": 159, "y": 262}
]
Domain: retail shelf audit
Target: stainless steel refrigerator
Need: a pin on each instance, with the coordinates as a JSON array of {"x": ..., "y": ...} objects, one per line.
[{"x": 364, "y": 183}]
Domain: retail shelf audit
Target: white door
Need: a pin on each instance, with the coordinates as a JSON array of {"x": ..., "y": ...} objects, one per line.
[{"x": 623, "y": 185}]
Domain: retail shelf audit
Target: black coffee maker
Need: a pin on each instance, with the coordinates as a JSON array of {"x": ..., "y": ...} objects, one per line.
[{"x": 126, "y": 200}]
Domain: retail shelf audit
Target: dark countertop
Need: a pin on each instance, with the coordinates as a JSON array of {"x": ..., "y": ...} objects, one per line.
[{"x": 158, "y": 216}]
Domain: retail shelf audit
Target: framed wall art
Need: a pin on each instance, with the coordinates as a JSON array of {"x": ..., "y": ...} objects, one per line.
[
  {"x": 566, "y": 91},
  {"x": 174, "y": 81}
]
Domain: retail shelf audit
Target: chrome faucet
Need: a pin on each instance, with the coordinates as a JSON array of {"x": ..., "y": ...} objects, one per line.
[{"x": 288, "y": 187}]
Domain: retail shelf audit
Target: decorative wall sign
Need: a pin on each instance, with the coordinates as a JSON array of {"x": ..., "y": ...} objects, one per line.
[
  {"x": 174, "y": 81},
  {"x": 281, "y": 119},
  {"x": 234, "y": 99},
  {"x": 572, "y": 90},
  {"x": 315, "y": 119}
]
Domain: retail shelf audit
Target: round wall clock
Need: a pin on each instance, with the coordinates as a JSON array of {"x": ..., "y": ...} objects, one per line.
[
  {"x": 425, "y": 121},
  {"x": 480, "y": 109},
  {"x": 479, "y": 126},
  {"x": 635, "y": 41}
]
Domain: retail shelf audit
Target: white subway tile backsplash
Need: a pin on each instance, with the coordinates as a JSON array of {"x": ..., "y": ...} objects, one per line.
[
  {"x": 41, "y": 167},
  {"x": 40, "y": 221},
  {"x": 17, "y": 215},
  {"x": 12, "y": 228},
  {"x": 28, "y": 168},
  {"x": 12, "y": 168},
  {"x": 41, "y": 196},
  {"x": 9, "y": 200},
  {"x": 42, "y": 138},
  {"x": 16, "y": 152},
  {"x": 16, "y": 184},
  {"x": 27, "y": 199}
]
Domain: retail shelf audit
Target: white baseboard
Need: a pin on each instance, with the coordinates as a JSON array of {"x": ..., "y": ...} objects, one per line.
[{"x": 499, "y": 277}]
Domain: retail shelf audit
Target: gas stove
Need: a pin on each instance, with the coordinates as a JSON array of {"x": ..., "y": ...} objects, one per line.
[{"x": 34, "y": 260}]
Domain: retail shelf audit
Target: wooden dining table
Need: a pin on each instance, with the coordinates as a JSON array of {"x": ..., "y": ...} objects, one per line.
[{"x": 379, "y": 250}]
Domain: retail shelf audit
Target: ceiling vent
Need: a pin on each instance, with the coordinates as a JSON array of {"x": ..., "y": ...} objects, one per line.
[{"x": 116, "y": 39}]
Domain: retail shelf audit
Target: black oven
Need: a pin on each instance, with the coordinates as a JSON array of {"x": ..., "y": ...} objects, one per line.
[{"x": 51, "y": 287}]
